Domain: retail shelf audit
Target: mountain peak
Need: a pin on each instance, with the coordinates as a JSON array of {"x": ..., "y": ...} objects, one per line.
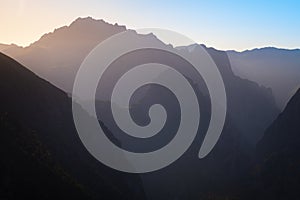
[
  {"x": 83, "y": 21},
  {"x": 81, "y": 29}
]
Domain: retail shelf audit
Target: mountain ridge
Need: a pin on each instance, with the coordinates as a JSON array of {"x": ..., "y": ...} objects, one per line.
[
  {"x": 253, "y": 64},
  {"x": 58, "y": 56}
]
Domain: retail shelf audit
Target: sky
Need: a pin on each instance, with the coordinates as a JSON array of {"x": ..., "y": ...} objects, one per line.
[{"x": 226, "y": 25}]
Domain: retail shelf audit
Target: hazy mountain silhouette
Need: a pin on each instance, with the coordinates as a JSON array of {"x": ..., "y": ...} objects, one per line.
[
  {"x": 40, "y": 121},
  {"x": 251, "y": 106},
  {"x": 278, "y": 69},
  {"x": 58, "y": 55}
]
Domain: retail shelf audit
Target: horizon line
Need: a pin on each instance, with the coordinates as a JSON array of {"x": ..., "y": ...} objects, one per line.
[{"x": 89, "y": 17}]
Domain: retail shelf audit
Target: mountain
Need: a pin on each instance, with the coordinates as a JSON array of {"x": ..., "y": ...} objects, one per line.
[
  {"x": 37, "y": 124},
  {"x": 278, "y": 154},
  {"x": 43, "y": 113},
  {"x": 278, "y": 69},
  {"x": 284, "y": 131},
  {"x": 57, "y": 57},
  {"x": 251, "y": 106},
  {"x": 193, "y": 178}
]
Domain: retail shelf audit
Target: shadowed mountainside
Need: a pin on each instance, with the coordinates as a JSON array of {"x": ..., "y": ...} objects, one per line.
[
  {"x": 251, "y": 106},
  {"x": 27, "y": 165},
  {"x": 45, "y": 113},
  {"x": 278, "y": 154},
  {"x": 275, "y": 172}
]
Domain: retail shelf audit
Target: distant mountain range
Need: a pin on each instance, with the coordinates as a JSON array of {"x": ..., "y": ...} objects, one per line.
[
  {"x": 57, "y": 56},
  {"x": 274, "y": 68}
]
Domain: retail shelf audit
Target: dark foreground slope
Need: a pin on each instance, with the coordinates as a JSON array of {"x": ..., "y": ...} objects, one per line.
[
  {"x": 279, "y": 154},
  {"x": 43, "y": 112},
  {"x": 27, "y": 169}
]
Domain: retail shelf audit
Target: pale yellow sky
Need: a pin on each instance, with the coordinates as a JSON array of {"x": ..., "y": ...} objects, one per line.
[
  {"x": 25, "y": 21},
  {"x": 221, "y": 24}
]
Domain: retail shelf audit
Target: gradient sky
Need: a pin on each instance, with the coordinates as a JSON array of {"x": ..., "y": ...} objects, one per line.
[{"x": 230, "y": 24}]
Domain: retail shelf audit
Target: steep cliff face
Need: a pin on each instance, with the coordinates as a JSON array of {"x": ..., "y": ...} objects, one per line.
[
  {"x": 284, "y": 131},
  {"x": 278, "y": 154}
]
